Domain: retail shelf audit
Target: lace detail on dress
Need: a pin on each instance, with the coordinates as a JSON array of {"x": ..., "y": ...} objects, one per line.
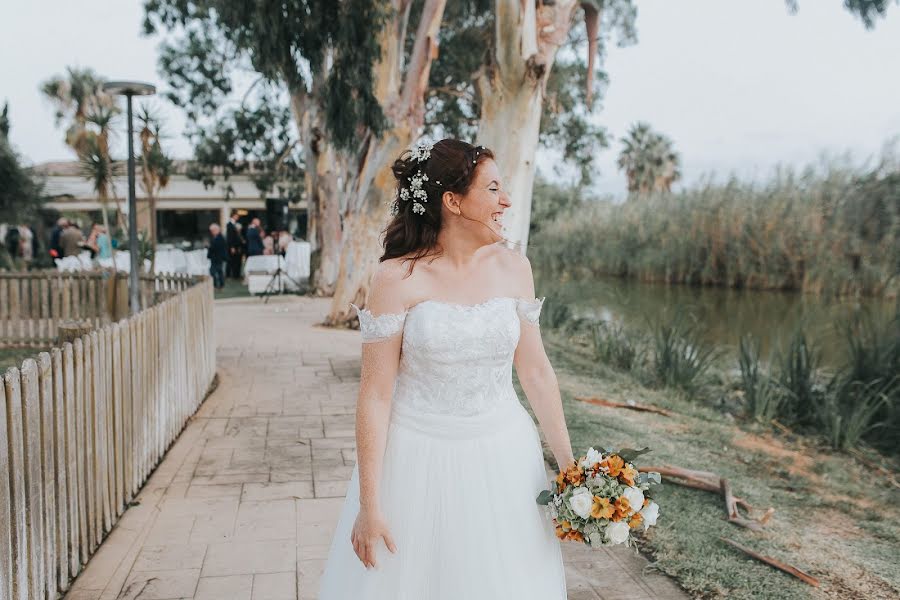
[
  {"x": 377, "y": 328},
  {"x": 530, "y": 309},
  {"x": 456, "y": 359}
]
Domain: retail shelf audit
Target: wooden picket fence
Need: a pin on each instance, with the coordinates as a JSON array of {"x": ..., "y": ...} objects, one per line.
[
  {"x": 33, "y": 303},
  {"x": 84, "y": 424}
]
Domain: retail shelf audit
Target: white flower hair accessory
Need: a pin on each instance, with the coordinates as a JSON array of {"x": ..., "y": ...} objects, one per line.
[
  {"x": 416, "y": 190},
  {"x": 422, "y": 151},
  {"x": 418, "y": 193}
]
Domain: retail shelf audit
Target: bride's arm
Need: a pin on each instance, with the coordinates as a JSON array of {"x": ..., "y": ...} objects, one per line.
[
  {"x": 380, "y": 361},
  {"x": 539, "y": 380}
]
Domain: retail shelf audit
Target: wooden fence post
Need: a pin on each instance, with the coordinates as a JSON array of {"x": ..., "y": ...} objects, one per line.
[{"x": 71, "y": 330}]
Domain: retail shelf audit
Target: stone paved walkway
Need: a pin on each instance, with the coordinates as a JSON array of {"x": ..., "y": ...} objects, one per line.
[{"x": 244, "y": 505}]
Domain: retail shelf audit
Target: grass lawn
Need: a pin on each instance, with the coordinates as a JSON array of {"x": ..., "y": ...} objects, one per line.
[
  {"x": 13, "y": 357},
  {"x": 233, "y": 289},
  {"x": 835, "y": 518}
]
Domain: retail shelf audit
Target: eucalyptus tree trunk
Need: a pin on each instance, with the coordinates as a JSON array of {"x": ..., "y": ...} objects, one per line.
[
  {"x": 400, "y": 90},
  {"x": 321, "y": 179},
  {"x": 511, "y": 88}
]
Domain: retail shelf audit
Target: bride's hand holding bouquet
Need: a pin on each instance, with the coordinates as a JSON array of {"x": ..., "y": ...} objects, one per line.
[{"x": 599, "y": 498}]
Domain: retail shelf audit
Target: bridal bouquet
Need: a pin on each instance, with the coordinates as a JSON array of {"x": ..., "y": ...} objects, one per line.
[{"x": 601, "y": 497}]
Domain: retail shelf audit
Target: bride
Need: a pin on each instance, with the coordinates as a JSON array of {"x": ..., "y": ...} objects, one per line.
[{"x": 441, "y": 502}]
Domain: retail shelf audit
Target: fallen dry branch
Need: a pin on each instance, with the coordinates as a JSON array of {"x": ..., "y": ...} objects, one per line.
[
  {"x": 731, "y": 508},
  {"x": 774, "y": 563},
  {"x": 631, "y": 406},
  {"x": 710, "y": 482}
]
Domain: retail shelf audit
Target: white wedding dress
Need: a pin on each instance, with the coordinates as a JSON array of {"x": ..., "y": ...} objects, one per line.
[{"x": 462, "y": 467}]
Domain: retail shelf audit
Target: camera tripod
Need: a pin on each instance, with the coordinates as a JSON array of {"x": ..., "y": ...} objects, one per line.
[{"x": 272, "y": 288}]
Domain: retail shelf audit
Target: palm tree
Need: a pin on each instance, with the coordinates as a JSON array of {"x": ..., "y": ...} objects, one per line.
[
  {"x": 75, "y": 96},
  {"x": 89, "y": 113},
  {"x": 649, "y": 160},
  {"x": 95, "y": 161},
  {"x": 156, "y": 167}
]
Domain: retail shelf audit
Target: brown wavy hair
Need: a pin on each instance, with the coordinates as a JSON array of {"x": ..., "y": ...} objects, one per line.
[{"x": 450, "y": 168}]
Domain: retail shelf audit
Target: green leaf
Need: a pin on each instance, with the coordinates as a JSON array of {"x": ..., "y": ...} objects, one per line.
[
  {"x": 629, "y": 454},
  {"x": 545, "y": 496}
]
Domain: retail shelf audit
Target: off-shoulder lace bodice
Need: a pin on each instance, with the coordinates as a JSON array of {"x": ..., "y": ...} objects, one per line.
[{"x": 455, "y": 359}]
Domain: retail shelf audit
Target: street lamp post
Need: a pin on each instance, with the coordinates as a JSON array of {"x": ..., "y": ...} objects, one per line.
[{"x": 130, "y": 89}]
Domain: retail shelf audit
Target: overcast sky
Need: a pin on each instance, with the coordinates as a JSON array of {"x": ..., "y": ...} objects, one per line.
[{"x": 739, "y": 85}]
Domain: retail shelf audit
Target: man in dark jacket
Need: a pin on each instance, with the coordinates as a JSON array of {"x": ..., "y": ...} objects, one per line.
[
  {"x": 254, "y": 239},
  {"x": 217, "y": 253},
  {"x": 235, "y": 247},
  {"x": 55, "y": 247},
  {"x": 12, "y": 243}
]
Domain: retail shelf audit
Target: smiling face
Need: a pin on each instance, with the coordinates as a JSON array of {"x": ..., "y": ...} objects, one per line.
[{"x": 483, "y": 205}]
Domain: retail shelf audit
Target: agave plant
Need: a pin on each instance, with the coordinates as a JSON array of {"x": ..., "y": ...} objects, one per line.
[
  {"x": 799, "y": 365},
  {"x": 848, "y": 413},
  {"x": 616, "y": 346},
  {"x": 680, "y": 355},
  {"x": 763, "y": 394}
]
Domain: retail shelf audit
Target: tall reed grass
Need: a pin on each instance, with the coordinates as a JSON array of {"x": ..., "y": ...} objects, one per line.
[{"x": 828, "y": 230}]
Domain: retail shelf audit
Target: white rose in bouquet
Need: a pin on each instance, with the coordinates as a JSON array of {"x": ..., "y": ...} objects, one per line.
[
  {"x": 650, "y": 513},
  {"x": 617, "y": 532},
  {"x": 591, "y": 456},
  {"x": 635, "y": 497},
  {"x": 581, "y": 502}
]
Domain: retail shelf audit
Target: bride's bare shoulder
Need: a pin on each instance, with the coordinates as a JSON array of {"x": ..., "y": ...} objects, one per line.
[
  {"x": 517, "y": 268},
  {"x": 512, "y": 259},
  {"x": 390, "y": 285}
]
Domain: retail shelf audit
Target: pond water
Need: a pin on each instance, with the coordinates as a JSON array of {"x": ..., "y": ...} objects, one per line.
[{"x": 724, "y": 314}]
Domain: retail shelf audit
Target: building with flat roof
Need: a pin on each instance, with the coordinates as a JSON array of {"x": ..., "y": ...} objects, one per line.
[{"x": 184, "y": 208}]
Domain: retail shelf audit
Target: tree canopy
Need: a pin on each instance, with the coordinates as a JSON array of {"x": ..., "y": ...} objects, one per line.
[
  {"x": 288, "y": 44},
  {"x": 868, "y": 11},
  {"x": 567, "y": 126},
  {"x": 20, "y": 193}
]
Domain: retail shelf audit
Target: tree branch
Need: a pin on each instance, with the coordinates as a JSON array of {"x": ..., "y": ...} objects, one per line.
[
  {"x": 387, "y": 70},
  {"x": 508, "y": 32},
  {"x": 425, "y": 50},
  {"x": 450, "y": 91},
  {"x": 592, "y": 28},
  {"x": 805, "y": 577}
]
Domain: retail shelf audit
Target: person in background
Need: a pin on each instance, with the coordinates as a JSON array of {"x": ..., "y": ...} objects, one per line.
[
  {"x": 254, "y": 238},
  {"x": 71, "y": 240},
  {"x": 268, "y": 245},
  {"x": 13, "y": 245},
  {"x": 55, "y": 248},
  {"x": 284, "y": 240},
  {"x": 91, "y": 243},
  {"x": 217, "y": 253},
  {"x": 26, "y": 245},
  {"x": 104, "y": 243},
  {"x": 235, "y": 247}
]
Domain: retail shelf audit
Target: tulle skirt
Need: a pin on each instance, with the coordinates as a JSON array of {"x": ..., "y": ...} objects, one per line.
[{"x": 458, "y": 494}]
